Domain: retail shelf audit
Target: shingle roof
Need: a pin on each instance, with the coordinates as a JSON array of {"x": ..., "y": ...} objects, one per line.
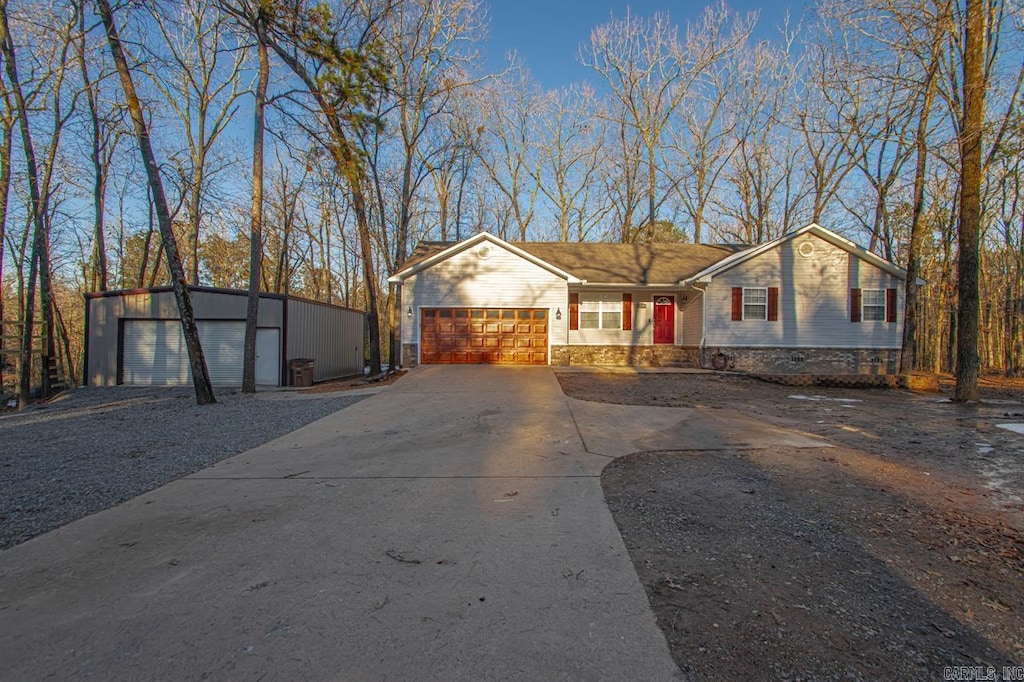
[
  {"x": 627, "y": 263},
  {"x": 423, "y": 251},
  {"x": 609, "y": 262}
]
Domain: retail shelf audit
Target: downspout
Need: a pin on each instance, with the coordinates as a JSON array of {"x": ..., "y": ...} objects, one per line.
[
  {"x": 703, "y": 324},
  {"x": 85, "y": 344}
]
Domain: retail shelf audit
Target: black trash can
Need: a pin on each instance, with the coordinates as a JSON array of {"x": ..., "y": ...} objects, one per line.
[{"x": 301, "y": 370}]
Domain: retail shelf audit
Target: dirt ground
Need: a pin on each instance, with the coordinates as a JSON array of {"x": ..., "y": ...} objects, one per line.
[
  {"x": 351, "y": 384},
  {"x": 891, "y": 555}
]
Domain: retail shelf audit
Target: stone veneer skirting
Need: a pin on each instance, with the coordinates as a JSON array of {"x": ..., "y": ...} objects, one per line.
[
  {"x": 804, "y": 360},
  {"x": 410, "y": 354},
  {"x": 625, "y": 356},
  {"x": 863, "y": 361}
]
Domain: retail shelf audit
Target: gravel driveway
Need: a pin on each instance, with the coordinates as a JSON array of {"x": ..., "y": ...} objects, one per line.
[{"x": 93, "y": 448}]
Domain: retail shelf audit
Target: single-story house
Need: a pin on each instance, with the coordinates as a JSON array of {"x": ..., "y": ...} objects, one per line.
[
  {"x": 809, "y": 301},
  {"x": 134, "y": 337}
]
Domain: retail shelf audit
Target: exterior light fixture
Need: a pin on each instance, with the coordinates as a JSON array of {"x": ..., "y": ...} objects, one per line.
[
  {"x": 558, "y": 314},
  {"x": 408, "y": 312}
]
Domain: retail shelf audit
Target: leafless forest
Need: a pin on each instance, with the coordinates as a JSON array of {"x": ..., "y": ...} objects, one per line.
[{"x": 313, "y": 145}]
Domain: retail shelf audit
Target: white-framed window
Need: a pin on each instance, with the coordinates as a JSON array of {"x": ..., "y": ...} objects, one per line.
[
  {"x": 755, "y": 303},
  {"x": 872, "y": 305},
  {"x": 600, "y": 311}
]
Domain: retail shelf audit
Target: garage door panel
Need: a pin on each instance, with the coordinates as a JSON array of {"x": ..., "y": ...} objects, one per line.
[
  {"x": 224, "y": 349},
  {"x": 484, "y": 335},
  {"x": 155, "y": 354}
]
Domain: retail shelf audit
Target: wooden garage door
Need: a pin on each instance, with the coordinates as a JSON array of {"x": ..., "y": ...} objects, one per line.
[{"x": 507, "y": 336}]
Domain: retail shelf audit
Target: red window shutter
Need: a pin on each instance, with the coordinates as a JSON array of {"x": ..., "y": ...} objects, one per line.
[
  {"x": 574, "y": 311},
  {"x": 773, "y": 304},
  {"x": 890, "y": 305},
  {"x": 854, "y": 305},
  {"x": 737, "y": 304},
  {"x": 627, "y": 311}
]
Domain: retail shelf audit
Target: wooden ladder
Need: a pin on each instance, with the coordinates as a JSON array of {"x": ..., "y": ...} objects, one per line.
[{"x": 54, "y": 370}]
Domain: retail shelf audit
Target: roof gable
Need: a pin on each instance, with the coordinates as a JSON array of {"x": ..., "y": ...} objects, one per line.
[
  {"x": 434, "y": 252},
  {"x": 709, "y": 273}
]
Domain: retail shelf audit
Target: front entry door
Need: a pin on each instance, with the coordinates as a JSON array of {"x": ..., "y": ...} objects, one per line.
[{"x": 664, "y": 319}]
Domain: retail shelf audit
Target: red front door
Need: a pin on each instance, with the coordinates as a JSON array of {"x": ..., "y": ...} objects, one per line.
[{"x": 664, "y": 319}]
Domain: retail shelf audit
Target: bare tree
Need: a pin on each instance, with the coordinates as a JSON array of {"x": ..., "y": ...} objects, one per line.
[
  {"x": 200, "y": 373},
  {"x": 38, "y": 211},
  {"x": 252, "y": 16},
  {"x": 343, "y": 71},
  {"x": 820, "y": 114},
  {"x": 105, "y": 132},
  {"x": 570, "y": 138},
  {"x": 450, "y": 170},
  {"x": 650, "y": 72},
  {"x": 8, "y": 119},
  {"x": 508, "y": 151},
  {"x": 202, "y": 90},
  {"x": 704, "y": 140},
  {"x": 758, "y": 203},
  {"x": 432, "y": 51},
  {"x": 977, "y": 23}
]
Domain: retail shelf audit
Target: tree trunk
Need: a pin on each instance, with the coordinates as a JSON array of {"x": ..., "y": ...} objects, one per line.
[
  {"x": 970, "y": 202},
  {"x": 36, "y": 208},
  {"x": 256, "y": 212},
  {"x": 369, "y": 274},
  {"x": 909, "y": 360},
  {"x": 6, "y": 142},
  {"x": 99, "y": 190},
  {"x": 200, "y": 373}
]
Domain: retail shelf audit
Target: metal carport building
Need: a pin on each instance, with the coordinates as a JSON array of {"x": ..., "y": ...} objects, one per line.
[{"x": 134, "y": 337}]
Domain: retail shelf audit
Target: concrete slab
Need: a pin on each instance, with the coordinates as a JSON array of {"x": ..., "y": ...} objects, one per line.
[
  {"x": 619, "y": 369},
  {"x": 451, "y": 527},
  {"x": 616, "y": 430}
]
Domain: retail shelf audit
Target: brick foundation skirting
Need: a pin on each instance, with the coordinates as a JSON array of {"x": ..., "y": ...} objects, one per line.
[{"x": 861, "y": 361}]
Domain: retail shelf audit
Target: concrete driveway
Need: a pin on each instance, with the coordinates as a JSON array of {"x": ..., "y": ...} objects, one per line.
[{"x": 451, "y": 527}]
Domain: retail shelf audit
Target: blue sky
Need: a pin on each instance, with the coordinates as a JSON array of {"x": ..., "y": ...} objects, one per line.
[{"x": 547, "y": 33}]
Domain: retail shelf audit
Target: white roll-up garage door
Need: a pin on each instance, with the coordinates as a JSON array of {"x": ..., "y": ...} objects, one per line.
[
  {"x": 224, "y": 348},
  {"x": 155, "y": 353}
]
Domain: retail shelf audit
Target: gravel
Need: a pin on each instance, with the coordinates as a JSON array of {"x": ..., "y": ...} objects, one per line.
[{"x": 93, "y": 448}]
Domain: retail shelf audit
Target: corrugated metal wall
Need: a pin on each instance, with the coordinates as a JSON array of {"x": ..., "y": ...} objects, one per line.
[
  {"x": 331, "y": 336},
  {"x": 105, "y": 311}
]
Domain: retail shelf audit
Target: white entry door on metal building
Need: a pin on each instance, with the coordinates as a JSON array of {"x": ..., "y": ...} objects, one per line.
[{"x": 155, "y": 353}]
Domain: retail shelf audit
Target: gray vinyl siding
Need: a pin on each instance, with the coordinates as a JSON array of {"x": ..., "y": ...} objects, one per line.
[
  {"x": 692, "y": 319},
  {"x": 331, "y": 336},
  {"x": 502, "y": 280},
  {"x": 814, "y": 300}
]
